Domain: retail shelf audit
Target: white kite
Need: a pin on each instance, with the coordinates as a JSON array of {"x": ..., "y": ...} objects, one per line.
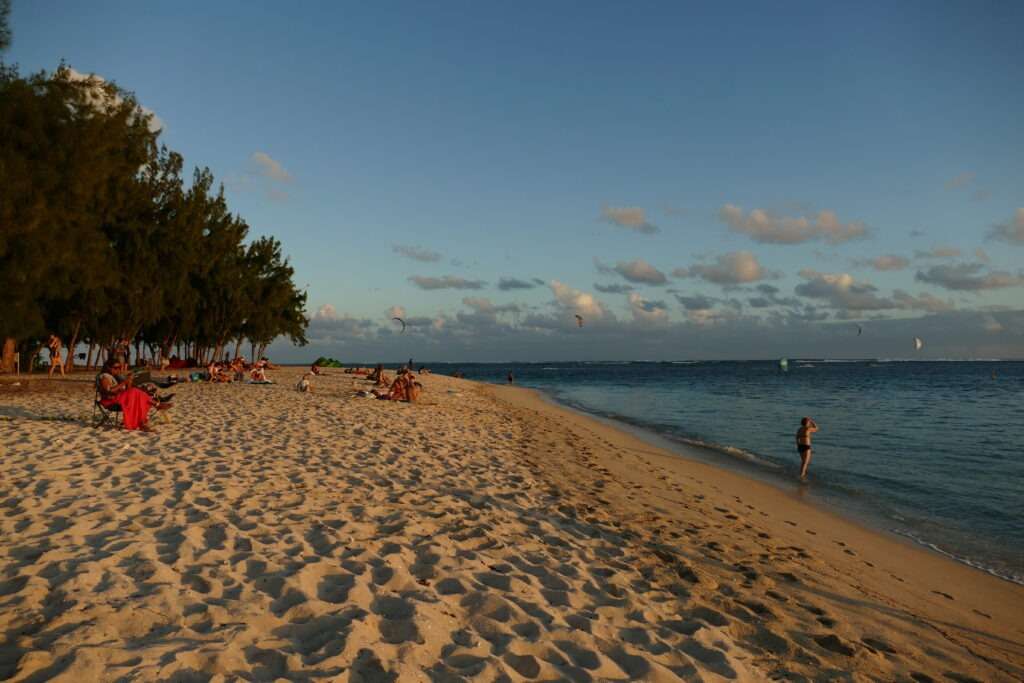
[{"x": 918, "y": 344}]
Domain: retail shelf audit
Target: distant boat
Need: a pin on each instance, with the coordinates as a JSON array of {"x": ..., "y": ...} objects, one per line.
[{"x": 784, "y": 364}]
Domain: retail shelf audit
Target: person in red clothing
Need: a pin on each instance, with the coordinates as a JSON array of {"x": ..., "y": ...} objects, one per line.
[{"x": 134, "y": 402}]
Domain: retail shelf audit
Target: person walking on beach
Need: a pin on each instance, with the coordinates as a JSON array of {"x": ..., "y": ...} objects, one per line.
[
  {"x": 803, "y": 443},
  {"x": 53, "y": 344},
  {"x": 511, "y": 379}
]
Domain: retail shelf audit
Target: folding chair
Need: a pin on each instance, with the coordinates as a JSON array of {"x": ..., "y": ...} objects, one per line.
[{"x": 102, "y": 416}]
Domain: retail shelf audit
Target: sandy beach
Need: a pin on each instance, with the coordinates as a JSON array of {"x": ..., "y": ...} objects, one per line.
[{"x": 481, "y": 534}]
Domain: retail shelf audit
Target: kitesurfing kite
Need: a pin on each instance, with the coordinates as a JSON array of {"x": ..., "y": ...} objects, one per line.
[
  {"x": 401, "y": 321},
  {"x": 918, "y": 344},
  {"x": 784, "y": 364},
  {"x": 579, "y": 320}
]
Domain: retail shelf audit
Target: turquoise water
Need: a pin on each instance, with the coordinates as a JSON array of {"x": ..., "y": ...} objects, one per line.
[{"x": 933, "y": 451}]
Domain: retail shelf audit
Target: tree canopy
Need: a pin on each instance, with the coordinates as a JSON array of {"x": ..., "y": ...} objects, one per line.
[{"x": 101, "y": 239}]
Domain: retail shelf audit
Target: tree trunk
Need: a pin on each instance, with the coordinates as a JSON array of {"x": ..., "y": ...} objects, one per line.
[
  {"x": 28, "y": 352},
  {"x": 7, "y": 360},
  {"x": 238, "y": 347},
  {"x": 88, "y": 361},
  {"x": 69, "y": 364}
]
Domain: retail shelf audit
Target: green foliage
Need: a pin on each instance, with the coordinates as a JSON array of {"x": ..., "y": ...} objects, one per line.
[
  {"x": 101, "y": 237},
  {"x": 324, "y": 362},
  {"x": 5, "y": 25}
]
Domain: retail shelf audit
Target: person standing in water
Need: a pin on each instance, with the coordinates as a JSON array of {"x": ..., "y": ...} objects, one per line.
[
  {"x": 803, "y": 443},
  {"x": 511, "y": 379}
]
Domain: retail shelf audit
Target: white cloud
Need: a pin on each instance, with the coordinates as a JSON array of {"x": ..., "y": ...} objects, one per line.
[
  {"x": 1011, "y": 231},
  {"x": 485, "y": 305},
  {"x": 734, "y": 268},
  {"x": 640, "y": 271},
  {"x": 416, "y": 253},
  {"x": 99, "y": 96},
  {"x": 578, "y": 302},
  {"x": 445, "y": 282},
  {"x": 887, "y": 262},
  {"x": 647, "y": 312},
  {"x": 938, "y": 252},
  {"x": 762, "y": 226},
  {"x": 269, "y": 168},
  {"x": 395, "y": 312},
  {"x": 629, "y": 217},
  {"x": 326, "y": 312}
]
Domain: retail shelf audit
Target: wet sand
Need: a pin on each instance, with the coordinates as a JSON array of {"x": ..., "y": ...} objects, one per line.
[{"x": 481, "y": 534}]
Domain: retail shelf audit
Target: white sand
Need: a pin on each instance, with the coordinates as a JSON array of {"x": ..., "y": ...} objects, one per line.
[{"x": 481, "y": 534}]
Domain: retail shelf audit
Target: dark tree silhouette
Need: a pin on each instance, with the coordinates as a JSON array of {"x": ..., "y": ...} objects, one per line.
[{"x": 101, "y": 240}]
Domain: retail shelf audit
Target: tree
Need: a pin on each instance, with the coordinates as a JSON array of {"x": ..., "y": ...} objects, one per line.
[
  {"x": 5, "y": 24},
  {"x": 68, "y": 167},
  {"x": 100, "y": 240}
]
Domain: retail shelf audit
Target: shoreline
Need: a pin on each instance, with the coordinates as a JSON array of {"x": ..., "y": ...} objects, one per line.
[
  {"x": 481, "y": 532},
  {"x": 765, "y": 473}
]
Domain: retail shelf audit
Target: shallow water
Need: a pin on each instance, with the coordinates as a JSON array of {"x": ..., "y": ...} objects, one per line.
[{"x": 930, "y": 450}]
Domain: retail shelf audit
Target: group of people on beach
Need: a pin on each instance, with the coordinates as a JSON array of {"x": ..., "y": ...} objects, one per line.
[
  {"x": 235, "y": 370},
  {"x": 117, "y": 389}
]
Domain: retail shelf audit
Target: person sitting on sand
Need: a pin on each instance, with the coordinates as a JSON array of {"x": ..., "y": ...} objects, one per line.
[
  {"x": 134, "y": 402},
  {"x": 377, "y": 373},
  {"x": 305, "y": 386},
  {"x": 399, "y": 388},
  {"x": 215, "y": 373},
  {"x": 259, "y": 376},
  {"x": 315, "y": 369},
  {"x": 237, "y": 368},
  {"x": 54, "y": 344},
  {"x": 803, "y": 443}
]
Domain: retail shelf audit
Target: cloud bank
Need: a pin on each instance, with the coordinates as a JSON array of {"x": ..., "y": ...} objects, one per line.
[
  {"x": 630, "y": 217},
  {"x": 445, "y": 282},
  {"x": 762, "y": 226},
  {"x": 416, "y": 253}
]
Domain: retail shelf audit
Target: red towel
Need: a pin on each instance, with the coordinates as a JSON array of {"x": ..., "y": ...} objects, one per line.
[{"x": 135, "y": 405}]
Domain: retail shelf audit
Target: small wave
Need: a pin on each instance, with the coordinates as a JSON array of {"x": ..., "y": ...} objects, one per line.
[
  {"x": 1006, "y": 576},
  {"x": 732, "y": 451}
]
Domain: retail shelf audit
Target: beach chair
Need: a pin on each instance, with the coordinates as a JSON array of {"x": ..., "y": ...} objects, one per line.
[{"x": 102, "y": 416}]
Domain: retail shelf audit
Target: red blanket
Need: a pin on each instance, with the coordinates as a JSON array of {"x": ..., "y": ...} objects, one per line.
[{"x": 135, "y": 405}]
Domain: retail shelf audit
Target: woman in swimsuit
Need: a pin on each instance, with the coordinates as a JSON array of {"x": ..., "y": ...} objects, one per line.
[
  {"x": 803, "y": 443},
  {"x": 54, "y": 344}
]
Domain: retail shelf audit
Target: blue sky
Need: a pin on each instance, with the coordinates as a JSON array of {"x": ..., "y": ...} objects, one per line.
[{"x": 593, "y": 146}]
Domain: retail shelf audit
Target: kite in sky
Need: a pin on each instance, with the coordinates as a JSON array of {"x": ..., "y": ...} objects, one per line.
[{"x": 401, "y": 321}]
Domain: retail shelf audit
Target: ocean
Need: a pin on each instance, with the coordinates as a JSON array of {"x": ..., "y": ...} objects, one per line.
[{"x": 932, "y": 451}]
